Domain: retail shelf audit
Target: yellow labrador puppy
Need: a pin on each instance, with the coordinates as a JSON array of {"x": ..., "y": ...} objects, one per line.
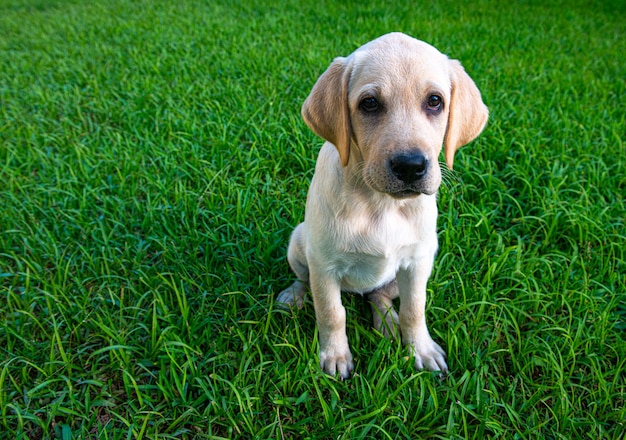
[{"x": 371, "y": 213}]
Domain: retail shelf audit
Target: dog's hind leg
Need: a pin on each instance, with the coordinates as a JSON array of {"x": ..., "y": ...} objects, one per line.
[
  {"x": 293, "y": 295},
  {"x": 384, "y": 315},
  {"x": 296, "y": 293}
]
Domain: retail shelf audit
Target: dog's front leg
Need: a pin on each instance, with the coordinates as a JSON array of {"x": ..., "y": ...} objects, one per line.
[
  {"x": 335, "y": 356},
  {"x": 412, "y": 288}
]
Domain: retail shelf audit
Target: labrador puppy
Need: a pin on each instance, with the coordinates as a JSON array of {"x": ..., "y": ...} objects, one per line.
[{"x": 371, "y": 213}]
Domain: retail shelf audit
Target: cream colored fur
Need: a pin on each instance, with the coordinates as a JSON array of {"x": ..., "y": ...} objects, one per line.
[{"x": 371, "y": 212}]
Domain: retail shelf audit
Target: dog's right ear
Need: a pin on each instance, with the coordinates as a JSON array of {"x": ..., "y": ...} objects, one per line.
[
  {"x": 468, "y": 114},
  {"x": 326, "y": 108}
]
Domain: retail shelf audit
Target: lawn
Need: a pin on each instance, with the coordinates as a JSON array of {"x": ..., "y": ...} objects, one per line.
[{"x": 153, "y": 163}]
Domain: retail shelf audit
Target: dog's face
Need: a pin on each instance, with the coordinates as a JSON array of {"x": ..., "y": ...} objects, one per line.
[
  {"x": 390, "y": 106},
  {"x": 399, "y": 99}
]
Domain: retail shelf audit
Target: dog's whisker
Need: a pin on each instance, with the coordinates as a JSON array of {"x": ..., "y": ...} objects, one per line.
[
  {"x": 449, "y": 178},
  {"x": 358, "y": 175}
]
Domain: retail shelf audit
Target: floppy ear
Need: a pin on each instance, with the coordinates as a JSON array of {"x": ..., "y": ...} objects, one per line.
[
  {"x": 468, "y": 114},
  {"x": 326, "y": 109}
]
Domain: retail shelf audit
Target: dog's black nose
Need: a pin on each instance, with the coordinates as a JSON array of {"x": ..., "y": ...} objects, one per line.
[{"x": 409, "y": 167}]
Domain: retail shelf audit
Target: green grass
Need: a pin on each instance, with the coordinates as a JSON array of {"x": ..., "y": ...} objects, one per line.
[{"x": 153, "y": 163}]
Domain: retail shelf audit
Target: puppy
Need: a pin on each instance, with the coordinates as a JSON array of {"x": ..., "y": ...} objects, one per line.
[{"x": 371, "y": 213}]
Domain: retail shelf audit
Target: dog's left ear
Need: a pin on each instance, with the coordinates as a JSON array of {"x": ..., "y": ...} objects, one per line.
[
  {"x": 468, "y": 114},
  {"x": 326, "y": 108}
]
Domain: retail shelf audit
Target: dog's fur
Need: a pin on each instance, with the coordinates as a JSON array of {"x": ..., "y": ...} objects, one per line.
[{"x": 371, "y": 212}]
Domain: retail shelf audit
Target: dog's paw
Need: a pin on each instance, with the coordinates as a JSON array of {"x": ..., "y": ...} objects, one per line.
[
  {"x": 388, "y": 325},
  {"x": 293, "y": 295},
  {"x": 336, "y": 360},
  {"x": 385, "y": 318},
  {"x": 429, "y": 355}
]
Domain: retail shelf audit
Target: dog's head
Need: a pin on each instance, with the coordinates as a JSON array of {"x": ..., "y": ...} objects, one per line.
[{"x": 390, "y": 106}]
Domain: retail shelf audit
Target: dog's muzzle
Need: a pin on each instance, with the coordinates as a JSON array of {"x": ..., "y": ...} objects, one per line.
[
  {"x": 409, "y": 173},
  {"x": 409, "y": 168}
]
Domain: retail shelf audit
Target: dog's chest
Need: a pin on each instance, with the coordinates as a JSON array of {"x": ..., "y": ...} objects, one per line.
[{"x": 374, "y": 248}]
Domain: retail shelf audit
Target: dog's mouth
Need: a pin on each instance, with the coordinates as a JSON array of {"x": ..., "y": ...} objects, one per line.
[
  {"x": 400, "y": 192},
  {"x": 401, "y": 184},
  {"x": 409, "y": 174},
  {"x": 405, "y": 194}
]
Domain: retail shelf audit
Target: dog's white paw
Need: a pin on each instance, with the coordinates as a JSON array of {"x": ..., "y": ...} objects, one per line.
[
  {"x": 335, "y": 360},
  {"x": 388, "y": 324},
  {"x": 429, "y": 355},
  {"x": 293, "y": 295},
  {"x": 385, "y": 318}
]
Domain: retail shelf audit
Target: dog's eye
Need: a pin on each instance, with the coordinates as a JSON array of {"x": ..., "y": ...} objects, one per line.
[
  {"x": 434, "y": 102},
  {"x": 370, "y": 105}
]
